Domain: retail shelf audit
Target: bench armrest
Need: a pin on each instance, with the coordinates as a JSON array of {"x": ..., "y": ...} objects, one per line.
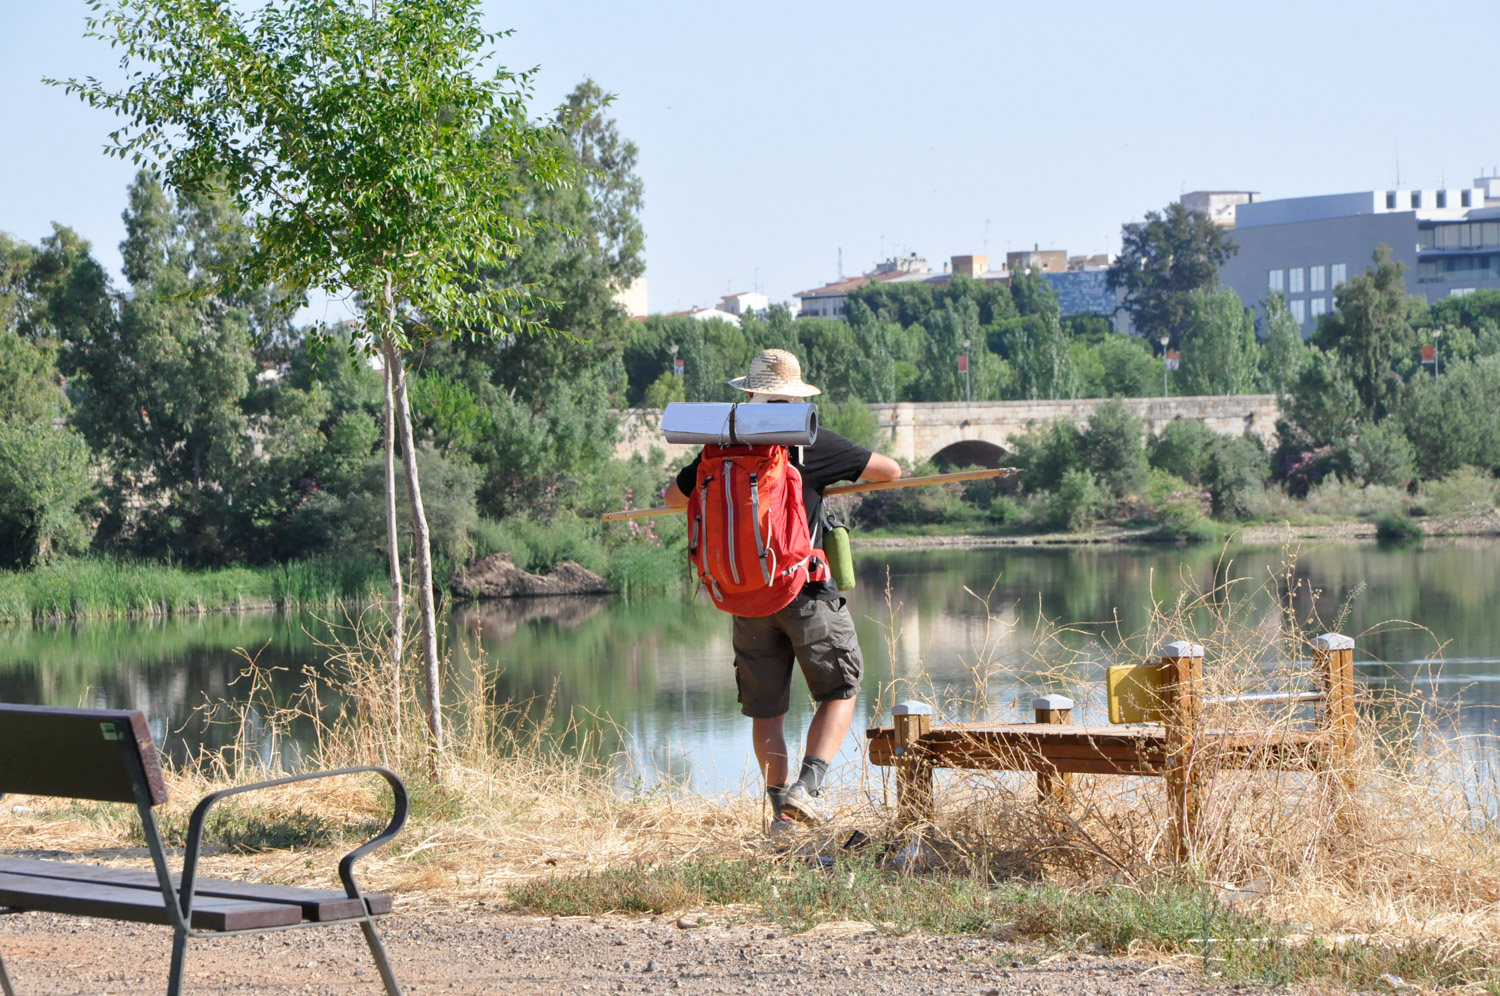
[{"x": 399, "y": 813}]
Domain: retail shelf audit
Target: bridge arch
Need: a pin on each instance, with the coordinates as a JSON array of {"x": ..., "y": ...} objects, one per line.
[{"x": 970, "y": 453}]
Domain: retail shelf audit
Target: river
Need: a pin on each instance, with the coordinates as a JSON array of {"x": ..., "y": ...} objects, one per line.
[{"x": 1029, "y": 619}]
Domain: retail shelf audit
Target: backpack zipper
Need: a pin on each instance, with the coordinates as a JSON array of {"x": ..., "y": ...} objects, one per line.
[
  {"x": 760, "y": 544},
  {"x": 734, "y": 570}
]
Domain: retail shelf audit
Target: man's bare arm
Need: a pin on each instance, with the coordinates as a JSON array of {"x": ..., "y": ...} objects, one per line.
[
  {"x": 673, "y": 496},
  {"x": 880, "y": 468}
]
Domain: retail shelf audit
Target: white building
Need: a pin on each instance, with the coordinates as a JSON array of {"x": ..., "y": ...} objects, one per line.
[
  {"x": 1305, "y": 247},
  {"x": 746, "y": 302}
]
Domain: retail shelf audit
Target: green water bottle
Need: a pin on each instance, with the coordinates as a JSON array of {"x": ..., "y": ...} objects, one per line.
[{"x": 840, "y": 559}]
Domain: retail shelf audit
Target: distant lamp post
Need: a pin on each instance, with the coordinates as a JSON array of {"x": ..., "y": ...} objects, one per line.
[
  {"x": 1164, "y": 340},
  {"x": 966, "y": 371},
  {"x": 677, "y": 364},
  {"x": 1437, "y": 363}
]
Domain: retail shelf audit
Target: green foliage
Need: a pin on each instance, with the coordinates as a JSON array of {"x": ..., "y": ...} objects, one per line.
[
  {"x": 1381, "y": 454},
  {"x": 1370, "y": 332},
  {"x": 1042, "y": 357},
  {"x": 1078, "y": 501},
  {"x": 1162, "y": 261},
  {"x": 367, "y": 152},
  {"x": 1233, "y": 473},
  {"x": 1046, "y": 452},
  {"x": 853, "y": 420},
  {"x": 1218, "y": 345},
  {"x": 1398, "y": 529},
  {"x": 1453, "y": 420},
  {"x": 1285, "y": 353},
  {"x": 1111, "y": 443},
  {"x": 1181, "y": 449},
  {"x": 1320, "y": 413},
  {"x": 1127, "y": 368},
  {"x": 1464, "y": 491}
]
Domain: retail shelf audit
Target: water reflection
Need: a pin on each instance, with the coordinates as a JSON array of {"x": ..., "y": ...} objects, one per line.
[{"x": 658, "y": 669}]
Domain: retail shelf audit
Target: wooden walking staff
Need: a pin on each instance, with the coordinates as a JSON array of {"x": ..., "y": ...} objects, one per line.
[
  {"x": 840, "y": 489},
  {"x": 1181, "y": 688}
]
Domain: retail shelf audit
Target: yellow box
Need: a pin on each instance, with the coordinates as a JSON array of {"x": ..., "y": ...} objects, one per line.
[{"x": 1134, "y": 693}]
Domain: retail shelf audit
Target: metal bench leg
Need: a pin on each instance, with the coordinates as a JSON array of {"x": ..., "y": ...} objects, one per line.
[
  {"x": 372, "y": 938},
  {"x": 5, "y": 986},
  {"x": 179, "y": 956}
]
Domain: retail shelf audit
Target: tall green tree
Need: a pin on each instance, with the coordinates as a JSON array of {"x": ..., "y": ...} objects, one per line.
[
  {"x": 1284, "y": 354},
  {"x": 159, "y": 392},
  {"x": 46, "y": 472},
  {"x": 1162, "y": 261},
  {"x": 1043, "y": 359},
  {"x": 1371, "y": 333},
  {"x": 1218, "y": 345},
  {"x": 372, "y": 149}
]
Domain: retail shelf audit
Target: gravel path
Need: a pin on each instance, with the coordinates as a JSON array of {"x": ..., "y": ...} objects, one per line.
[{"x": 473, "y": 950}]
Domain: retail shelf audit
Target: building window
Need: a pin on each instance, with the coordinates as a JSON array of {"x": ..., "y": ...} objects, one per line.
[
  {"x": 1416, "y": 199},
  {"x": 1466, "y": 198},
  {"x": 1319, "y": 307},
  {"x": 1339, "y": 273},
  {"x": 1274, "y": 279},
  {"x": 1315, "y": 278},
  {"x": 1294, "y": 280},
  {"x": 1390, "y": 200},
  {"x": 1299, "y": 311},
  {"x": 1442, "y": 198}
]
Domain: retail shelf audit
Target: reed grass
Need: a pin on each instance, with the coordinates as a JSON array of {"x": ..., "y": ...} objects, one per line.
[{"x": 93, "y": 589}]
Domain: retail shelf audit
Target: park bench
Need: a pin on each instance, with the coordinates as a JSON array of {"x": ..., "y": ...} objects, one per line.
[{"x": 107, "y": 755}]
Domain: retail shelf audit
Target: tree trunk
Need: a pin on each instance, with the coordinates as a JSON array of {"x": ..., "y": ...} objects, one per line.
[
  {"x": 422, "y": 547},
  {"x": 393, "y": 535}
]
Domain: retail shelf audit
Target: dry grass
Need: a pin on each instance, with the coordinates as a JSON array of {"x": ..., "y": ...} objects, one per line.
[{"x": 1399, "y": 842}]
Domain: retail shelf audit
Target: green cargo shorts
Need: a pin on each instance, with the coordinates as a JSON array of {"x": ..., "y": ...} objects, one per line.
[{"x": 816, "y": 634}]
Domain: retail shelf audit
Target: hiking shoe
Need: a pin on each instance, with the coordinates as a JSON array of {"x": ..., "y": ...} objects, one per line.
[{"x": 804, "y": 807}]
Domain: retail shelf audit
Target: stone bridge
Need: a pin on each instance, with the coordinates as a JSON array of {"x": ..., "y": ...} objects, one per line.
[{"x": 958, "y": 433}]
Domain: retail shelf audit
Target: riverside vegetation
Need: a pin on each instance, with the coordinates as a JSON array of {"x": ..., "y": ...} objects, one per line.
[
  {"x": 1387, "y": 867},
  {"x": 245, "y": 449}
]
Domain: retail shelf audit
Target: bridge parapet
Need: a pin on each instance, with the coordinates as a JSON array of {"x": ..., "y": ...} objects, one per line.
[{"x": 918, "y": 431}]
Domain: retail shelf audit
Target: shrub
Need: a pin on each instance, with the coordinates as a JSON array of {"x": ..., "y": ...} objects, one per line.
[
  {"x": 1182, "y": 449},
  {"x": 1397, "y": 529},
  {"x": 853, "y": 420},
  {"x": 1180, "y": 509},
  {"x": 1112, "y": 448},
  {"x": 1077, "y": 502},
  {"x": 1380, "y": 453},
  {"x": 1233, "y": 474},
  {"x": 1045, "y": 453},
  {"x": 1466, "y": 491},
  {"x": 1340, "y": 499}
]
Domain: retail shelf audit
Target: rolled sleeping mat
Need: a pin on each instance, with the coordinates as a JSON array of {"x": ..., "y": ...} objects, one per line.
[{"x": 740, "y": 424}]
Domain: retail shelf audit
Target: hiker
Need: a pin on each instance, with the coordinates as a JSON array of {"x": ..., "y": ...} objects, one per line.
[{"x": 815, "y": 629}]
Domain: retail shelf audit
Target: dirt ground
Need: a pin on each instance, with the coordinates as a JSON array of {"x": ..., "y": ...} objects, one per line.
[{"x": 472, "y": 949}]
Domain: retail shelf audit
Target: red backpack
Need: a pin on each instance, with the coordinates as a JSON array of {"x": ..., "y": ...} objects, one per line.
[{"x": 747, "y": 529}]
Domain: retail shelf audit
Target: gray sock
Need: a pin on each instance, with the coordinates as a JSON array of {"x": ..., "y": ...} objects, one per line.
[
  {"x": 814, "y": 770},
  {"x": 777, "y": 795}
]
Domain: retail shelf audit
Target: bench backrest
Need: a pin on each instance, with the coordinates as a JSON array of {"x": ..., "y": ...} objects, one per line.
[{"x": 97, "y": 754}]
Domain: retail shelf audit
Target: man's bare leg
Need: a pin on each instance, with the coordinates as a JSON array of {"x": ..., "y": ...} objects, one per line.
[
  {"x": 829, "y": 726},
  {"x": 769, "y": 740}
]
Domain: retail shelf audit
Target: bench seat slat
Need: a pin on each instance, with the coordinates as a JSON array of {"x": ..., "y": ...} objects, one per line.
[
  {"x": 321, "y": 905},
  {"x": 52, "y": 895}
]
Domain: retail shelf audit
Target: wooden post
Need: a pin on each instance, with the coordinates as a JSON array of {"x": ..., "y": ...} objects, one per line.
[
  {"x": 912, "y": 721},
  {"x": 1053, "y": 786},
  {"x": 1181, "y": 686},
  {"x": 1333, "y": 655}
]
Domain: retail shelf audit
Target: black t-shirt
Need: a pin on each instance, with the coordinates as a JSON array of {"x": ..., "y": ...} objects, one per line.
[{"x": 828, "y": 461}]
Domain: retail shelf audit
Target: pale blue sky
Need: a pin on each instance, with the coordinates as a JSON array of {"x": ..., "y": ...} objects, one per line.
[{"x": 774, "y": 134}]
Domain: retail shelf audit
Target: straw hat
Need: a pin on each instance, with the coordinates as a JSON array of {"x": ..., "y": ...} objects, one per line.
[{"x": 775, "y": 371}]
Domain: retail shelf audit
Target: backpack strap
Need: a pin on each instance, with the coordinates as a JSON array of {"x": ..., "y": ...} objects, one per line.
[{"x": 760, "y": 542}]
